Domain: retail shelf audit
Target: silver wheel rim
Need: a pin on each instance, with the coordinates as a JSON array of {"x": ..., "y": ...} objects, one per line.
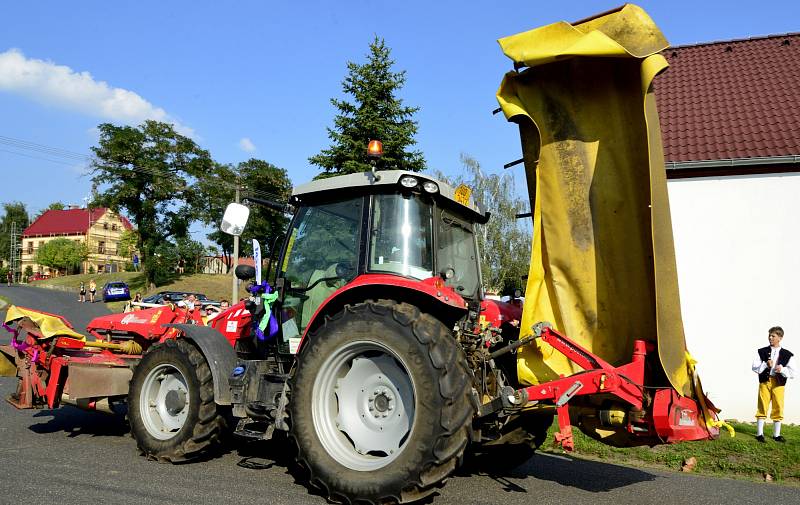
[
  {"x": 164, "y": 402},
  {"x": 363, "y": 405}
]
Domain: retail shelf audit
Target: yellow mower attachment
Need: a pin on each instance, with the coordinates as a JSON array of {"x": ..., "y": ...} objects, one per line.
[{"x": 603, "y": 261}]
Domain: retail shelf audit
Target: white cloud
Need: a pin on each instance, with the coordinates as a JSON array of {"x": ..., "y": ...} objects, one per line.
[
  {"x": 47, "y": 82},
  {"x": 247, "y": 145}
]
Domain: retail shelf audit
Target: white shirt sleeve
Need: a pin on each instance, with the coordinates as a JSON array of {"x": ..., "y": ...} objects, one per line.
[
  {"x": 758, "y": 365},
  {"x": 790, "y": 370}
]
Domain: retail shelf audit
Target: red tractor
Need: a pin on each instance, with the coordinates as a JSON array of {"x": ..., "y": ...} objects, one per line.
[{"x": 374, "y": 350}]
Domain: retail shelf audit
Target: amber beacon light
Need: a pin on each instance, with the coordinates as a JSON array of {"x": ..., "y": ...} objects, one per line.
[{"x": 375, "y": 149}]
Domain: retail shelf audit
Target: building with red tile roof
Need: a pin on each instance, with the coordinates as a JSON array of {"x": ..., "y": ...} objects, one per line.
[
  {"x": 731, "y": 107},
  {"x": 68, "y": 222},
  {"x": 100, "y": 229},
  {"x": 730, "y": 122}
]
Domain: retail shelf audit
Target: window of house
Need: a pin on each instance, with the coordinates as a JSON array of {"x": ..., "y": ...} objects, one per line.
[
  {"x": 105, "y": 226},
  {"x": 101, "y": 247},
  {"x": 113, "y": 227},
  {"x": 30, "y": 247}
]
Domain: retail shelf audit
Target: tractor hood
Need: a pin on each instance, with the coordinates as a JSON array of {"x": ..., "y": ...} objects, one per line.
[{"x": 603, "y": 262}]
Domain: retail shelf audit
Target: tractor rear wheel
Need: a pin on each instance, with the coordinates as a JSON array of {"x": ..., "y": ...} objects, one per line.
[
  {"x": 380, "y": 407},
  {"x": 171, "y": 405}
]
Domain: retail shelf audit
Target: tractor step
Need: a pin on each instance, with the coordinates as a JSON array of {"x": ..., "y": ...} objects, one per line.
[{"x": 254, "y": 430}]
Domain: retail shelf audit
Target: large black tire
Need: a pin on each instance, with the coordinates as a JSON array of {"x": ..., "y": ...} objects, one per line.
[
  {"x": 171, "y": 406},
  {"x": 425, "y": 381}
]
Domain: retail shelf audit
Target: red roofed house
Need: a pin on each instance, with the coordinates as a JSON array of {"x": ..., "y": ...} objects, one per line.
[
  {"x": 730, "y": 120},
  {"x": 99, "y": 228}
]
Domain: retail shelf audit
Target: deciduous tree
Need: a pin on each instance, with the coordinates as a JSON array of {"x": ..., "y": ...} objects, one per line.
[
  {"x": 504, "y": 242},
  {"x": 256, "y": 178},
  {"x": 127, "y": 243},
  {"x": 63, "y": 254},
  {"x": 375, "y": 112},
  {"x": 14, "y": 212},
  {"x": 152, "y": 173}
]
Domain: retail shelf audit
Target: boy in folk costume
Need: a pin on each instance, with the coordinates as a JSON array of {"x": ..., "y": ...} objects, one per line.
[{"x": 774, "y": 365}]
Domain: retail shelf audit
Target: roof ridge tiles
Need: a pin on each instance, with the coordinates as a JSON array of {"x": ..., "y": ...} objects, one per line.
[{"x": 754, "y": 38}]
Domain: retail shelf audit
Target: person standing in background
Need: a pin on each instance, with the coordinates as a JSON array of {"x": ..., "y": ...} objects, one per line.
[
  {"x": 774, "y": 365},
  {"x": 92, "y": 290}
]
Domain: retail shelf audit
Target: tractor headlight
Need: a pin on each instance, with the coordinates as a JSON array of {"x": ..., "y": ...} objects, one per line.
[
  {"x": 408, "y": 181},
  {"x": 430, "y": 187}
]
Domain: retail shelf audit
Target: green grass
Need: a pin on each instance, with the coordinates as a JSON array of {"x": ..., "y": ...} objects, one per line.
[
  {"x": 216, "y": 287},
  {"x": 740, "y": 457}
]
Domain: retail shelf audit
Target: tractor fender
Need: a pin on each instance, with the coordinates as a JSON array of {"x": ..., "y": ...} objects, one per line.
[
  {"x": 218, "y": 352},
  {"x": 429, "y": 295}
]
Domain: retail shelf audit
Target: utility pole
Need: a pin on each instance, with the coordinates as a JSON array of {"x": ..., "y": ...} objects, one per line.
[{"x": 235, "y": 259}]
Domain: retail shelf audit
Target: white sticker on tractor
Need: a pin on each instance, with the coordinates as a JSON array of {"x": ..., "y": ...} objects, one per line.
[
  {"x": 130, "y": 318},
  {"x": 230, "y": 327},
  {"x": 294, "y": 343}
]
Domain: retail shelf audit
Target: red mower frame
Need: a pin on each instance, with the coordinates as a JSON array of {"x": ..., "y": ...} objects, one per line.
[{"x": 666, "y": 415}]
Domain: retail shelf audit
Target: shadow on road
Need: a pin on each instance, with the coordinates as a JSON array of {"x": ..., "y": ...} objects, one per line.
[
  {"x": 592, "y": 476},
  {"x": 75, "y": 422}
]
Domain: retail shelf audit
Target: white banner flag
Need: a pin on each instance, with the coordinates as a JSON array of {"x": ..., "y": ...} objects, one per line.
[{"x": 257, "y": 260}]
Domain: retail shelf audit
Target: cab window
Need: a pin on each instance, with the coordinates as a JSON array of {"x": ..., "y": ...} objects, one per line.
[{"x": 321, "y": 256}]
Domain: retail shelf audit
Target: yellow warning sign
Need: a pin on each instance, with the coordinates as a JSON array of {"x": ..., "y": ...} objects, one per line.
[{"x": 462, "y": 194}]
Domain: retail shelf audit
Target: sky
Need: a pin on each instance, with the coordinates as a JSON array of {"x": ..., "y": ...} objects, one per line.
[{"x": 254, "y": 79}]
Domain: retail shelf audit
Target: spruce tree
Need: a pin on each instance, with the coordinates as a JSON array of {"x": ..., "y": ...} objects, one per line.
[{"x": 375, "y": 113}]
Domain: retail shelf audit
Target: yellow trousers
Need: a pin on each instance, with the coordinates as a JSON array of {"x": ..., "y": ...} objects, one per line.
[{"x": 768, "y": 392}]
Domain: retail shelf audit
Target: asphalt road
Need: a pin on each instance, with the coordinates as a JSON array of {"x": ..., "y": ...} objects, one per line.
[{"x": 67, "y": 456}]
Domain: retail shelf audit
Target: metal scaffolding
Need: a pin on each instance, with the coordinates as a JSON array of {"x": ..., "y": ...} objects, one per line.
[{"x": 15, "y": 252}]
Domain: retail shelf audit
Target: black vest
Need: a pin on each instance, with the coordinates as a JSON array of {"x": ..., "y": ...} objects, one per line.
[{"x": 783, "y": 359}]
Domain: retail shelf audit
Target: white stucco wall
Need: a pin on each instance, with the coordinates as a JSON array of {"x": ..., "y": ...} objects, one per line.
[{"x": 737, "y": 243}]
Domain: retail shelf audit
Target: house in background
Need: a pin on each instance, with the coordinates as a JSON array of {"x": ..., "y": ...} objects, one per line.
[
  {"x": 216, "y": 264},
  {"x": 100, "y": 229},
  {"x": 730, "y": 121}
]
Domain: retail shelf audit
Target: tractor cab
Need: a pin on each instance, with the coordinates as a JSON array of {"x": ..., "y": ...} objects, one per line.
[{"x": 367, "y": 235}]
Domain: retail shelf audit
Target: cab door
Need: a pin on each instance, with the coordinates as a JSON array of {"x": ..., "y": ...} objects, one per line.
[{"x": 321, "y": 255}]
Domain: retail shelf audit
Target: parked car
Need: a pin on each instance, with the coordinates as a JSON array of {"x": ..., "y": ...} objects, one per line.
[
  {"x": 116, "y": 290},
  {"x": 163, "y": 297},
  {"x": 38, "y": 277}
]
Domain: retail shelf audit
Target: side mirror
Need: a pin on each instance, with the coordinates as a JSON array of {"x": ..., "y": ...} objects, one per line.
[
  {"x": 244, "y": 272},
  {"x": 235, "y": 219}
]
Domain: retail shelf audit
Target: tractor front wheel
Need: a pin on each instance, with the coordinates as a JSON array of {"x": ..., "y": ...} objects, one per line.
[
  {"x": 171, "y": 405},
  {"x": 380, "y": 409}
]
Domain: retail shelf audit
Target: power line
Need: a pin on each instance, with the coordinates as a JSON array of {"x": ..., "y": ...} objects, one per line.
[
  {"x": 55, "y": 151},
  {"x": 77, "y": 157},
  {"x": 38, "y": 157}
]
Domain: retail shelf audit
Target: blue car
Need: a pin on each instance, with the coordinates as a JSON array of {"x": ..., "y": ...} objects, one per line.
[{"x": 116, "y": 290}]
